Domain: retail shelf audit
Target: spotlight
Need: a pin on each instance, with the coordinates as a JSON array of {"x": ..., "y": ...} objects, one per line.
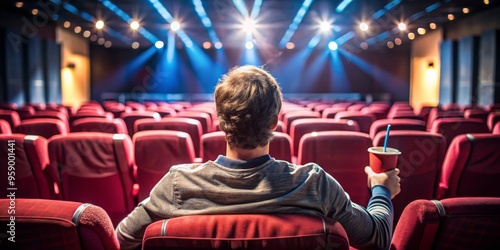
[
  {"x": 363, "y": 26},
  {"x": 107, "y": 44},
  {"x": 78, "y": 29},
  {"x": 432, "y": 26},
  {"x": 465, "y": 10},
  {"x": 421, "y": 31},
  {"x": 175, "y": 26},
  {"x": 364, "y": 45},
  {"x": 99, "y": 24},
  {"x": 135, "y": 45},
  {"x": 101, "y": 41},
  {"x": 249, "y": 45},
  {"x": 207, "y": 45},
  {"x": 134, "y": 25},
  {"x": 333, "y": 45},
  {"x": 325, "y": 26},
  {"x": 390, "y": 45},
  {"x": 86, "y": 33},
  {"x": 159, "y": 44},
  {"x": 218, "y": 45},
  {"x": 93, "y": 38},
  {"x": 67, "y": 24},
  {"x": 249, "y": 25},
  {"x": 398, "y": 41},
  {"x": 34, "y": 12},
  {"x": 19, "y": 4},
  {"x": 411, "y": 35},
  {"x": 290, "y": 45},
  {"x": 486, "y": 2},
  {"x": 451, "y": 17},
  {"x": 402, "y": 26}
]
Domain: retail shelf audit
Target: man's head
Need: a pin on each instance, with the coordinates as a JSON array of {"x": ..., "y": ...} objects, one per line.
[{"x": 248, "y": 100}]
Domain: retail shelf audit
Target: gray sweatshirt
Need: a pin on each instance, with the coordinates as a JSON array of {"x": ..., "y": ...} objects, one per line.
[{"x": 261, "y": 185}]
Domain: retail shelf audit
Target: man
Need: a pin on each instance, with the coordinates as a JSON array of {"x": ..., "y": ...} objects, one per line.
[{"x": 248, "y": 180}]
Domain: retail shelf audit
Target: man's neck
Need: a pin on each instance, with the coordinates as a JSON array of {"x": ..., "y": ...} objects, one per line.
[{"x": 246, "y": 154}]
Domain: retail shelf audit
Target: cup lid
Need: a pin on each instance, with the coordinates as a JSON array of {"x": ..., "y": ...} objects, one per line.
[{"x": 380, "y": 150}]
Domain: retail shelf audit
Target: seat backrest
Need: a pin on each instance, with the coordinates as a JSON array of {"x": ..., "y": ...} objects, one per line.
[
  {"x": 25, "y": 158},
  {"x": 50, "y": 224},
  {"x": 436, "y": 114},
  {"x": 11, "y": 117},
  {"x": 130, "y": 118},
  {"x": 289, "y": 117},
  {"x": 155, "y": 152},
  {"x": 301, "y": 127},
  {"x": 471, "y": 167},
  {"x": 212, "y": 145},
  {"x": 280, "y": 146},
  {"x": 344, "y": 155},
  {"x": 451, "y": 127},
  {"x": 396, "y": 124},
  {"x": 203, "y": 117},
  {"x": 95, "y": 167},
  {"x": 496, "y": 129},
  {"x": 5, "y": 127},
  {"x": 246, "y": 231},
  {"x": 422, "y": 155},
  {"x": 493, "y": 118},
  {"x": 456, "y": 223},
  {"x": 115, "y": 126},
  {"x": 188, "y": 125},
  {"x": 477, "y": 114},
  {"x": 51, "y": 115},
  {"x": 331, "y": 112},
  {"x": 364, "y": 120},
  {"x": 25, "y": 112},
  {"x": 45, "y": 127}
]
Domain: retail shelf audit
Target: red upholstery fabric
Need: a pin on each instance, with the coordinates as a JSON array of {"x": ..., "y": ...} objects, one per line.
[
  {"x": 465, "y": 223},
  {"x": 406, "y": 115},
  {"x": 5, "y": 127},
  {"x": 97, "y": 168},
  {"x": 48, "y": 224},
  {"x": 436, "y": 114},
  {"x": 51, "y": 115},
  {"x": 280, "y": 147},
  {"x": 11, "y": 117},
  {"x": 424, "y": 112},
  {"x": 471, "y": 167},
  {"x": 8, "y": 106},
  {"x": 343, "y": 154},
  {"x": 86, "y": 114},
  {"x": 118, "y": 111},
  {"x": 304, "y": 126},
  {"x": 212, "y": 145},
  {"x": 364, "y": 120},
  {"x": 45, "y": 127},
  {"x": 25, "y": 112},
  {"x": 280, "y": 127},
  {"x": 493, "y": 118},
  {"x": 451, "y": 127},
  {"x": 476, "y": 114},
  {"x": 288, "y": 118},
  {"x": 203, "y": 117},
  {"x": 396, "y": 108},
  {"x": 422, "y": 155},
  {"x": 115, "y": 126},
  {"x": 208, "y": 108},
  {"x": 130, "y": 118},
  {"x": 33, "y": 177},
  {"x": 496, "y": 129},
  {"x": 331, "y": 112},
  {"x": 286, "y": 108},
  {"x": 155, "y": 152},
  {"x": 188, "y": 125},
  {"x": 396, "y": 124},
  {"x": 246, "y": 231}
]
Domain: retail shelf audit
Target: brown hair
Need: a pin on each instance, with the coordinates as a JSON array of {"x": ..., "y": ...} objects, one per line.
[{"x": 248, "y": 100}]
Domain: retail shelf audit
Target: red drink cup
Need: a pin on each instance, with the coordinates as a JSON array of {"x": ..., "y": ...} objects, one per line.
[{"x": 381, "y": 161}]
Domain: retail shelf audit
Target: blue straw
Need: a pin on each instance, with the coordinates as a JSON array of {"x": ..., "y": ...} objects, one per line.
[{"x": 386, "y": 137}]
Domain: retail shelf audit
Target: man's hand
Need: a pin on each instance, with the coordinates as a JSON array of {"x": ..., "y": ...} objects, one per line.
[{"x": 389, "y": 179}]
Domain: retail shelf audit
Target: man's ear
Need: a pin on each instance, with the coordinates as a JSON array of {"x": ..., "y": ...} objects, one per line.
[{"x": 275, "y": 123}]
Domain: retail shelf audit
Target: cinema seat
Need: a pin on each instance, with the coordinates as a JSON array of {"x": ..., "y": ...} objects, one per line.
[
  {"x": 471, "y": 167},
  {"x": 105, "y": 125},
  {"x": 203, "y": 117},
  {"x": 289, "y": 117},
  {"x": 96, "y": 168},
  {"x": 452, "y": 127},
  {"x": 33, "y": 177},
  {"x": 344, "y": 155},
  {"x": 212, "y": 145},
  {"x": 364, "y": 120},
  {"x": 456, "y": 223},
  {"x": 493, "y": 118},
  {"x": 280, "y": 147},
  {"x": 11, "y": 117},
  {"x": 5, "y": 128},
  {"x": 44, "y": 127},
  {"x": 132, "y": 117},
  {"x": 396, "y": 124},
  {"x": 246, "y": 231},
  {"x": 64, "y": 225},
  {"x": 155, "y": 151}
]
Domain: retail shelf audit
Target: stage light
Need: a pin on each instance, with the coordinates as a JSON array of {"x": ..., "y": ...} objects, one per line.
[
  {"x": 421, "y": 31},
  {"x": 78, "y": 29},
  {"x": 34, "y": 12},
  {"x": 363, "y": 26},
  {"x": 398, "y": 41},
  {"x": 159, "y": 44},
  {"x": 93, "y": 38},
  {"x": 19, "y": 4},
  {"x": 218, "y": 45},
  {"x": 86, "y": 33},
  {"x": 101, "y": 41},
  {"x": 390, "y": 45},
  {"x": 432, "y": 26},
  {"x": 249, "y": 25},
  {"x": 99, "y": 24},
  {"x": 333, "y": 45},
  {"x": 66, "y": 24},
  {"x": 364, "y": 45},
  {"x": 135, "y": 45},
  {"x": 107, "y": 44},
  {"x": 134, "y": 25},
  {"x": 249, "y": 45},
  {"x": 290, "y": 45},
  {"x": 402, "y": 26},
  {"x": 207, "y": 45},
  {"x": 465, "y": 10},
  {"x": 325, "y": 26},
  {"x": 175, "y": 26},
  {"x": 486, "y": 2},
  {"x": 411, "y": 35},
  {"x": 451, "y": 17}
]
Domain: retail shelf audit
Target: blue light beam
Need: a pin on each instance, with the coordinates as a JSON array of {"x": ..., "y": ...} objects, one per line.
[
  {"x": 295, "y": 23},
  {"x": 343, "y": 5}
]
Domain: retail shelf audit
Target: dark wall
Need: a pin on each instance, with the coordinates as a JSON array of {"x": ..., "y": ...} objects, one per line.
[{"x": 373, "y": 71}]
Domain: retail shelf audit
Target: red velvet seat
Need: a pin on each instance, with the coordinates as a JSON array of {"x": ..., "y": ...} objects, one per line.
[
  {"x": 331, "y": 112},
  {"x": 25, "y": 112},
  {"x": 11, "y": 117},
  {"x": 396, "y": 124},
  {"x": 33, "y": 177},
  {"x": 452, "y": 127},
  {"x": 496, "y": 129},
  {"x": 456, "y": 223},
  {"x": 49, "y": 224},
  {"x": 188, "y": 125},
  {"x": 246, "y": 231},
  {"x": 476, "y": 114},
  {"x": 436, "y": 114},
  {"x": 344, "y": 155},
  {"x": 493, "y": 118},
  {"x": 44, "y": 127},
  {"x": 155, "y": 152},
  {"x": 280, "y": 147},
  {"x": 422, "y": 155},
  {"x": 304, "y": 126},
  {"x": 132, "y": 117},
  {"x": 5, "y": 127},
  {"x": 114, "y": 126},
  {"x": 8, "y": 106},
  {"x": 471, "y": 167},
  {"x": 50, "y": 115},
  {"x": 364, "y": 120},
  {"x": 203, "y": 117},
  {"x": 289, "y": 117},
  {"x": 82, "y": 115},
  {"x": 96, "y": 168},
  {"x": 212, "y": 145}
]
